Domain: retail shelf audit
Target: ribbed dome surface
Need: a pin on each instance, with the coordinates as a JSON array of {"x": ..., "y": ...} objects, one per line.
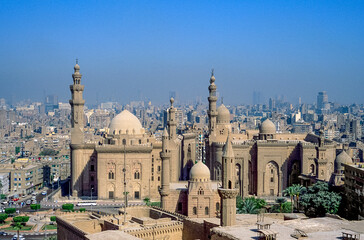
[
  {"x": 127, "y": 123},
  {"x": 267, "y": 127},
  {"x": 343, "y": 157},
  {"x": 200, "y": 172},
  {"x": 223, "y": 114}
]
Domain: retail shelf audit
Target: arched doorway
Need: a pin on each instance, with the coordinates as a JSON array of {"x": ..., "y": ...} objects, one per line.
[{"x": 271, "y": 182}]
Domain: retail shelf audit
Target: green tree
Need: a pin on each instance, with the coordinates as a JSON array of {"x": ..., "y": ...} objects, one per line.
[
  {"x": 2, "y": 196},
  {"x": 68, "y": 206},
  {"x": 17, "y": 226},
  {"x": 10, "y": 210},
  {"x": 319, "y": 200},
  {"x": 249, "y": 205},
  {"x": 299, "y": 190},
  {"x": 82, "y": 209},
  {"x": 281, "y": 201},
  {"x": 291, "y": 192},
  {"x": 21, "y": 219},
  {"x": 3, "y": 217},
  {"x": 35, "y": 206},
  {"x": 147, "y": 200},
  {"x": 53, "y": 218}
]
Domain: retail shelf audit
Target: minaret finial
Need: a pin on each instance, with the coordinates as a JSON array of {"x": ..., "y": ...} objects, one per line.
[
  {"x": 222, "y": 100},
  {"x": 212, "y": 72},
  {"x": 76, "y": 60}
]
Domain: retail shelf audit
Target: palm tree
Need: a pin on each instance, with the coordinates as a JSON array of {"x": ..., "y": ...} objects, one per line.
[
  {"x": 280, "y": 201},
  {"x": 17, "y": 227},
  {"x": 291, "y": 192},
  {"x": 298, "y": 190}
]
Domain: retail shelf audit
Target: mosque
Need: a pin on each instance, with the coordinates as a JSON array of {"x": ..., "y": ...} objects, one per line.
[{"x": 130, "y": 161}]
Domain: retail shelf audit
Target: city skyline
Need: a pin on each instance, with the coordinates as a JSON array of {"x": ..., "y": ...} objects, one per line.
[{"x": 148, "y": 49}]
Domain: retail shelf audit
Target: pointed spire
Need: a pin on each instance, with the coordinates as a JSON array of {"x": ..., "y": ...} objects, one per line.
[
  {"x": 165, "y": 133},
  {"x": 228, "y": 148}
]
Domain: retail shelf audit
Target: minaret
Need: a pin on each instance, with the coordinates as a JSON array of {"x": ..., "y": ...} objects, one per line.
[
  {"x": 172, "y": 121},
  {"x": 166, "y": 157},
  {"x": 228, "y": 192},
  {"x": 212, "y": 113},
  {"x": 77, "y": 103}
]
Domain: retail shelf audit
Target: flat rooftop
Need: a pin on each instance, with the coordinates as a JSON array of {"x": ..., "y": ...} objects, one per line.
[{"x": 315, "y": 228}]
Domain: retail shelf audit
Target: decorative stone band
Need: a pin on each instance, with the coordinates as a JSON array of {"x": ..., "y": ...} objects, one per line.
[{"x": 228, "y": 193}]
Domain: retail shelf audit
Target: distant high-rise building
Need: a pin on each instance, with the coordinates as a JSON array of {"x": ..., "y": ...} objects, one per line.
[
  {"x": 322, "y": 102},
  {"x": 257, "y": 98},
  {"x": 50, "y": 103},
  {"x": 272, "y": 104}
]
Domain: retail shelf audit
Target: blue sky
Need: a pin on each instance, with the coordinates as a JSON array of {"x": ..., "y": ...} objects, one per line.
[{"x": 133, "y": 49}]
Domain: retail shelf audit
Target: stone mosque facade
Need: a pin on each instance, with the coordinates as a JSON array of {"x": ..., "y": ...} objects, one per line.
[{"x": 262, "y": 165}]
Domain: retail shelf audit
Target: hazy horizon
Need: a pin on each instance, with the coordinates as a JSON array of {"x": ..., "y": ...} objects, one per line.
[{"x": 133, "y": 49}]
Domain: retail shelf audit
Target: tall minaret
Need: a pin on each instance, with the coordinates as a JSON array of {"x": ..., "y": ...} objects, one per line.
[
  {"x": 77, "y": 103},
  {"x": 212, "y": 113},
  {"x": 228, "y": 192},
  {"x": 172, "y": 121},
  {"x": 166, "y": 157}
]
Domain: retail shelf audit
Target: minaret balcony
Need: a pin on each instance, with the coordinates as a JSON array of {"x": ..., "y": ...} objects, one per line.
[{"x": 228, "y": 193}]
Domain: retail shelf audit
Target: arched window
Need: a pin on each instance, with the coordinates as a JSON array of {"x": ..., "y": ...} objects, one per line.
[
  {"x": 230, "y": 186},
  {"x": 194, "y": 210},
  {"x": 206, "y": 210},
  {"x": 312, "y": 169},
  {"x": 217, "y": 206},
  {"x": 111, "y": 175},
  {"x": 200, "y": 191},
  {"x": 136, "y": 175}
]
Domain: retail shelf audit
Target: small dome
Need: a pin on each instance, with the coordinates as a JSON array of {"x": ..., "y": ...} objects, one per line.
[
  {"x": 127, "y": 123},
  {"x": 223, "y": 114},
  {"x": 200, "y": 172},
  {"x": 343, "y": 157},
  {"x": 267, "y": 127}
]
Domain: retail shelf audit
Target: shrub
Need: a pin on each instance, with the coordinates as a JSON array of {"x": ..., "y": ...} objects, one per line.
[
  {"x": 68, "y": 206},
  {"x": 53, "y": 218},
  {"x": 82, "y": 209},
  {"x": 10, "y": 210}
]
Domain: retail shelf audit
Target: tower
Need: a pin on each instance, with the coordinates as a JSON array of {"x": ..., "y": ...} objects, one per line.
[
  {"x": 172, "y": 121},
  {"x": 212, "y": 113},
  {"x": 77, "y": 103},
  {"x": 166, "y": 157},
  {"x": 228, "y": 192}
]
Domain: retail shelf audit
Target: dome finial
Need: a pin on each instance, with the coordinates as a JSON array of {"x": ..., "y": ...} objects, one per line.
[
  {"x": 77, "y": 67},
  {"x": 212, "y": 79}
]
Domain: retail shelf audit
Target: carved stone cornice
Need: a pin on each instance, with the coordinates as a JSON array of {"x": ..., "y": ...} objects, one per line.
[
  {"x": 228, "y": 193},
  {"x": 82, "y": 146}
]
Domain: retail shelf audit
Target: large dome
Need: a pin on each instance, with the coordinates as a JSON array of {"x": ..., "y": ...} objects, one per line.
[
  {"x": 343, "y": 157},
  {"x": 223, "y": 114},
  {"x": 126, "y": 123},
  {"x": 200, "y": 172},
  {"x": 267, "y": 127}
]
